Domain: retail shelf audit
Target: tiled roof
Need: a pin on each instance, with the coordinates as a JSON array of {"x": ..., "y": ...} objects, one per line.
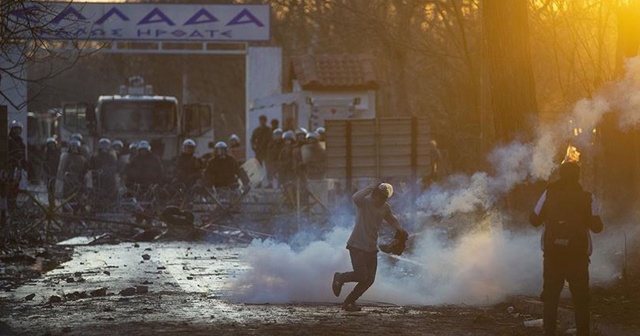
[{"x": 334, "y": 72}]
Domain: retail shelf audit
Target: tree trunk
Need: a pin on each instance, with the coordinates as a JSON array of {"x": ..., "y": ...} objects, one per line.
[
  {"x": 513, "y": 94},
  {"x": 618, "y": 164}
]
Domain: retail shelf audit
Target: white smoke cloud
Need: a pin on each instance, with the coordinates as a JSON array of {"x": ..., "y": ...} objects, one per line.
[
  {"x": 628, "y": 94},
  {"x": 485, "y": 263},
  {"x": 482, "y": 266}
]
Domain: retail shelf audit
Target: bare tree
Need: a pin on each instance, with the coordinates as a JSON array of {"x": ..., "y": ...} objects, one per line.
[{"x": 25, "y": 31}]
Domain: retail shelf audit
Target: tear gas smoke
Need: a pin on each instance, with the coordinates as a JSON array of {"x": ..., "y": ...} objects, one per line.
[{"x": 483, "y": 264}]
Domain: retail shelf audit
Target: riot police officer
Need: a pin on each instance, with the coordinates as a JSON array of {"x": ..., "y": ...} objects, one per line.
[
  {"x": 17, "y": 161},
  {"x": 235, "y": 148},
  {"x": 104, "y": 164},
  {"x": 72, "y": 171},
  {"x": 188, "y": 166},
  {"x": 223, "y": 170},
  {"x": 145, "y": 169},
  {"x": 51, "y": 161},
  {"x": 273, "y": 151},
  {"x": 286, "y": 171}
]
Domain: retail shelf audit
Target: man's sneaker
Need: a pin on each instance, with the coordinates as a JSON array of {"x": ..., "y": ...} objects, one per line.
[
  {"x": 336, "y": 285},
  {"x": 351, "y": 307}
]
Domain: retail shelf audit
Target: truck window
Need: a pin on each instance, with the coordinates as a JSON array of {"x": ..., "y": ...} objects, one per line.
[
  {"x": 198, "y": 117},
  {"x": 132, "y": 116},
  {"x": 75, "y": 117}
]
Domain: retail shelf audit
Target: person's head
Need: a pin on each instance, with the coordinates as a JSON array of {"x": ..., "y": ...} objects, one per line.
[
  {"x": 133, "y": 148},
  {"x": 381, "y": 193},
  {"x": 263, "y": 120},
  {"x": 51, "y": 143},
  {"x": 288, "y": 137},
  {"x": 189, "y": 146},
  {"x": 301, "y": 134},
  {"x": 77, "y": 136},
  {"x": 234, "y": 141},
  {"x": 275, "y": 123},
  {"x": 74, "y": 146},
  {"x": 144, "y": 148},
  {"x": 221, "y": 149},
  {"x": 117, "y": 146},
  {"x": 277, "y": 133},
  {"x": 570, "y": 171},
  {"x": 15, "y": 128},
  {"x": 312, "y": 137},
  {"x": 104, "y": 144}
]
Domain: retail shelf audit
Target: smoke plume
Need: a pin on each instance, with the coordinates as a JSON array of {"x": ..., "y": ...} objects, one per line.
[{"x": 482, "y": 264}]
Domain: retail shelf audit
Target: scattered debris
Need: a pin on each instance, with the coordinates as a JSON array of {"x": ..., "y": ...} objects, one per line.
[
  {"x": 146, "y": 257},
  {"x": 128, "y": 291},
  {"x": 106, "y": 272},
  {"x": 29, "y": 297},
  {"x": 76, "y": 296},
  {"x": 99, "y": 292},
  {"x": 55, "y": 299},
  {"x": 142, "y": 289},
  {"x": 82, "y": 240},
  {"x": 534, "y": 323}
]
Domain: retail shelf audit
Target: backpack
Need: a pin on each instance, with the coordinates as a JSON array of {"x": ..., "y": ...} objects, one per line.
[{"x": 567, "y": 212}]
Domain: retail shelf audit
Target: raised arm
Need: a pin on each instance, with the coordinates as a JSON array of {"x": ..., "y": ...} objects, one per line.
[
  {"x": 359, "y": 196},
  {"x": 537, "y": 215}
]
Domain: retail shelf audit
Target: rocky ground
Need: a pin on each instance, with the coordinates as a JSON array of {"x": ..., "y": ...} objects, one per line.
[{"x": 180, "y": 288}]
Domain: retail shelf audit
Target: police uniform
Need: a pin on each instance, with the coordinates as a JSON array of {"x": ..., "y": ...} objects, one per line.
[{"x": 187, "y": 169}]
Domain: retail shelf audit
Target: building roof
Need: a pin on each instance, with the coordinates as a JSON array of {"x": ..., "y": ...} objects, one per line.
[{"x": 334, "y": 72}]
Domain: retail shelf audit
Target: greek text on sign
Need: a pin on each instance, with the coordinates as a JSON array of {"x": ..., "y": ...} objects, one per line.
[{"x": 146, "y": 22}]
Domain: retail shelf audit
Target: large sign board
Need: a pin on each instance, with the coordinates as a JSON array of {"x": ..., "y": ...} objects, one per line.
[{"x": 144, "y": 22}]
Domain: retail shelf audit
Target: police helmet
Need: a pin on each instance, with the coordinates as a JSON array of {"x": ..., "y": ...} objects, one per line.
[
  {"x": 301, "y": 130},
  {"x": 188, "y": 143},
  {"x": 16, "y": 124},
  {"x": 51, "y": 140},
  {"x": 277, "y": 131},
  {"x": 133, "y": 146},
  {"x": 76, "y": 136},
  {"x": 74, "y": 144},
  {"x": 144, "y": 144},
  {"x": 320, "y": 130},
  {"x": 288, "y": 135},
  {"x": 234, "y": 137},
  {"x": 312, "y": 135},
  {"x": 117, "y": 143},
  {"x": 104, "y": 143},
  {"x": 221, "y": 145}
]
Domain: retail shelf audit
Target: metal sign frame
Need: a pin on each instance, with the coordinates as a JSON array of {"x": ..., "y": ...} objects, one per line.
[{"x": 143, "y": 21}]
